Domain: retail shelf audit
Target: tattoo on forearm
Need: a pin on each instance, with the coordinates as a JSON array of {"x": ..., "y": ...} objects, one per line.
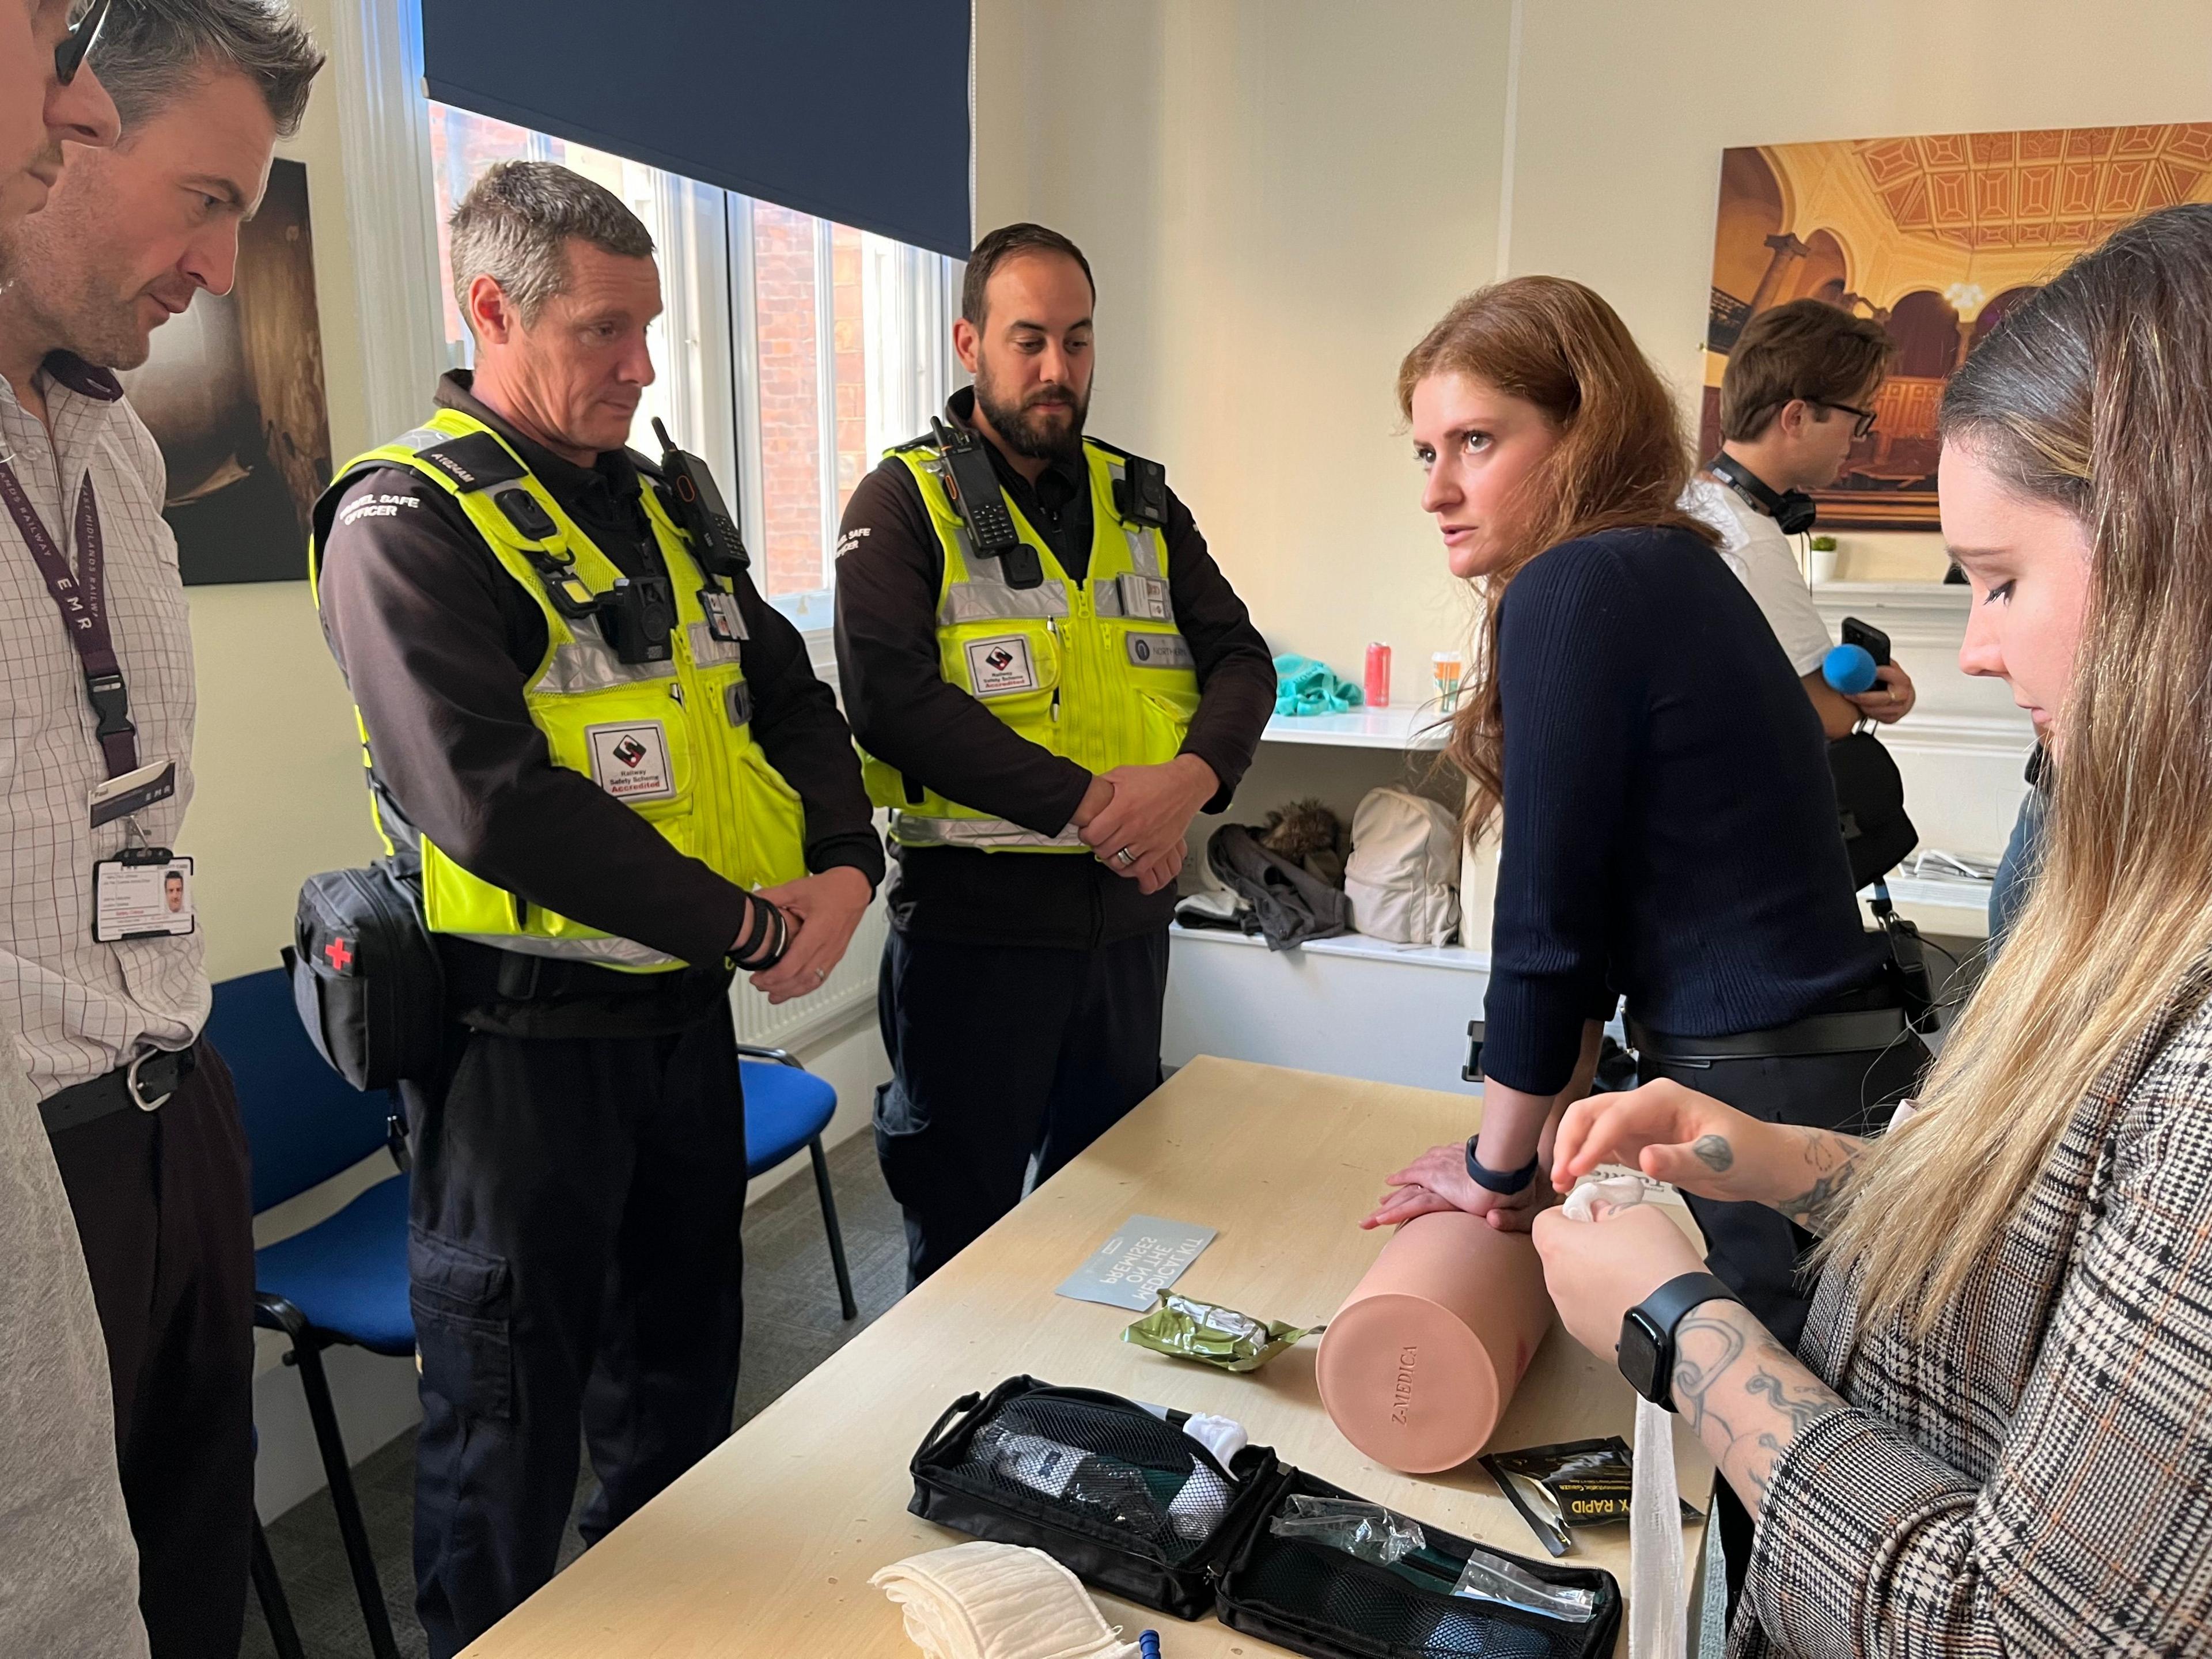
[
  {"x": 1834, "y": 1160},
  {"x": 1802, "y": 1414},
  {"x": 1704, "y": 1348},
  {"x": 1715, "y": 1153},
  {"x": 1723, "y": 1359}
]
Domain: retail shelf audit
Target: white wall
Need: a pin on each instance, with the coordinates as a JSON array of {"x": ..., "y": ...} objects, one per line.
[
  {"x": 1623, "y": 112},
  {"x": 1279, "y": 195}
]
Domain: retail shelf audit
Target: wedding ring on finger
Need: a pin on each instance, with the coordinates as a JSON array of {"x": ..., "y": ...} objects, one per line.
[{"x": 1125, "y": 857}]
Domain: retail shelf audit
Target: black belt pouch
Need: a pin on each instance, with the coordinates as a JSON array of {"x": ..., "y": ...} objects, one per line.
[
  {"x": 365, "y": 977},
  {"x": 1133, "y": 1506}
]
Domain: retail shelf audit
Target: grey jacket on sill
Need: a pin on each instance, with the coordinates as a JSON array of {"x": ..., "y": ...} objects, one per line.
[
  {"x": 2035, "y": 1477},
  {"x": 69, "y": 1570}
]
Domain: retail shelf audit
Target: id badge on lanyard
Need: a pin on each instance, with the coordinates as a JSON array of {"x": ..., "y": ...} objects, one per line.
[{"x": 146, "y": 891}]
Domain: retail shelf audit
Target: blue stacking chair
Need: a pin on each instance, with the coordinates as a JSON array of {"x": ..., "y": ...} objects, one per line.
[
  {"x": 787, "y": 1106},
  {"x": 345, "y": 1280}
]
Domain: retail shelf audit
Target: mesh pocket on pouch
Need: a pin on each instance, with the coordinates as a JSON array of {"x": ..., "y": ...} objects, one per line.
[
  {"x": 1387, "y": 1611},
  {"x": 1120, "y": 1470}
]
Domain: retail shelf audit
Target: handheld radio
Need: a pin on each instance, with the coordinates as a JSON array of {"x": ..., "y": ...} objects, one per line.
[
  {"x": 982, "y": 504},
  {"x": 716, "y": 541}
]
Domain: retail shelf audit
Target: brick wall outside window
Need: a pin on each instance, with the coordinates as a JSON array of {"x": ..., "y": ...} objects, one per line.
[
  {"x": 786, "y": 282},
  {"x": 790, "y": 430}
]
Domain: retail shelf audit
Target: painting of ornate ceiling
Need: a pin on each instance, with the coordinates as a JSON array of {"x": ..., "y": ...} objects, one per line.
[{"x": 2059, "y": 188}]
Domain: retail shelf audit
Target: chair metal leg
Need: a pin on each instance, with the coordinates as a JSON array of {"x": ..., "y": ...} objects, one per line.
[
  {"x": 852, "y": 1309},
  {"x": 308, "y": 1358},
  {"x": 283, "y": 1634}
]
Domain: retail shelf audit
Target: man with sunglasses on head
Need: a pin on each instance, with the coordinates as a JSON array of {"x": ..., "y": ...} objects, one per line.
[
  {"x": 96, "y": 719},
  {"x": 1799, "y": 392},
  {"x": 72, "y": 1569}
]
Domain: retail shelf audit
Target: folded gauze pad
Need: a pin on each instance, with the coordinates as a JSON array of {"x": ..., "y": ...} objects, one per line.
[{"x": 985, "y": 1601}]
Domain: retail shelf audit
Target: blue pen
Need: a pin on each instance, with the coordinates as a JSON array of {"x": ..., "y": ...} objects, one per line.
[{"x": 1148, "y": 1644}]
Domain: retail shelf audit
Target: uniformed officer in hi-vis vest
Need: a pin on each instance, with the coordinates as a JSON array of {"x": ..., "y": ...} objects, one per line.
[
  {"x": 1049, "y": 676},
  {"x": 600, "y": 741}
]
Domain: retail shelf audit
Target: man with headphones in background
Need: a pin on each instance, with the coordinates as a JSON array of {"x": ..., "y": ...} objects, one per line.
[{"x": 1798, "y": 392}]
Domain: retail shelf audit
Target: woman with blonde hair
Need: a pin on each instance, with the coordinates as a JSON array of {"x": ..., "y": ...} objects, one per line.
[{"x": 1999, "y": 1436}]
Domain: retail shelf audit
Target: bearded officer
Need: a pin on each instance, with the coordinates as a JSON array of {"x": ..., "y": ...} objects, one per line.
[
  {"x": 598, "y": 740},
  {"x": 1050, "y": 676}
]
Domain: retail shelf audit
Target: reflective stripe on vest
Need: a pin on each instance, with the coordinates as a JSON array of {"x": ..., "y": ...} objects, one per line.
[
  {"x": 671, "y": 741},
  {"x": 1094, "y": 670}
]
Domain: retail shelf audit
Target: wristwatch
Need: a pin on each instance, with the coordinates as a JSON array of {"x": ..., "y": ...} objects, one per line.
[
  {"x": 1503, "y": 1182},
  {"x": 1647, "y": 1333}
]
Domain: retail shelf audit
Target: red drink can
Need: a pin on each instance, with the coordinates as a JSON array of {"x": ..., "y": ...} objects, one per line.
[{"x": 1377, "y": 683}]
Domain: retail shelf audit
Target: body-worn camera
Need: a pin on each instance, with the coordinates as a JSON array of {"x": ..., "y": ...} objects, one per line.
[{"x": 637, "y": 615}]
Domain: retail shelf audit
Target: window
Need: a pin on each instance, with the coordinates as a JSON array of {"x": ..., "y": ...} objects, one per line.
[{"x": 791, "y": 352}]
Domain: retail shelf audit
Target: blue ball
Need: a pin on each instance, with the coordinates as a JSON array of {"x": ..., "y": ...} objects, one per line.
[{"x": 1849, "y": 668}]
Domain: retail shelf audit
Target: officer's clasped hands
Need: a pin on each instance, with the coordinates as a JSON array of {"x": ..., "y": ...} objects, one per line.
[
  {"x": 1139, "y": 830},
  {"x": 822, "y": 910}
]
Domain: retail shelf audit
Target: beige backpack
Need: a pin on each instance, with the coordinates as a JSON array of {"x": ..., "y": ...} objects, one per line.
[{"x": 1403, "y": 876}]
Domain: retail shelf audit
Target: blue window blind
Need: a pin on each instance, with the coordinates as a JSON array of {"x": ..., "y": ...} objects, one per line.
[{"x": 850, "y": 110}]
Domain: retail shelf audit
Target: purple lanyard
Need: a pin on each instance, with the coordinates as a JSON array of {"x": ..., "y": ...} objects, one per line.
[{"x": 78, "y": 597}]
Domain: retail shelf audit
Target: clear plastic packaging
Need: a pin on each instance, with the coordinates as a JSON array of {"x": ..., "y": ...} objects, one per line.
[
  {"x": 1489, "y": 1578},
  {"x": 1115, "y": 1491},
  {"x": 1366, "y": 1530}
]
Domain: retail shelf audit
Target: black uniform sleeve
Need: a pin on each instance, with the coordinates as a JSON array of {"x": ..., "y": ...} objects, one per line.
[
  {"x": 1235, "y": 671},
  {"x": 903, "y": 711},
  {"x": 411, "y": 604},
  {"x": 805, "y": 738}
]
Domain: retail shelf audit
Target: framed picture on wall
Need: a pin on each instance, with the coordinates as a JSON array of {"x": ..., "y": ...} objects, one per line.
[
  {"x": 1935, "y": 237},
  {"x": 234, "y": 394}
]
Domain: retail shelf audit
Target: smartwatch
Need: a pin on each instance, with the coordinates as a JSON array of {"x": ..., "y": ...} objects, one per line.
[
  {"x": 1647, "y": 1333},
  {"x": 1504, "y": 1183}
]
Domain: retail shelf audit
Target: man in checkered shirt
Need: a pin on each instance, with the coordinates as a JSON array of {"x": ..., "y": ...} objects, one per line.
[{"x": 143, "y": 1124}]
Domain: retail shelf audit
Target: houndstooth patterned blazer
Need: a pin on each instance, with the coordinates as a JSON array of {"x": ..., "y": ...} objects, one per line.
[{"x": 2036, "y": 1477}]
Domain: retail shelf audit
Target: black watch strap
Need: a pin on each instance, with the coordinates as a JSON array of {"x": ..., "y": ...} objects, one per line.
[
  {"x": 1503, "y": 1183},
  {"x": 1658, "y": 1314}
]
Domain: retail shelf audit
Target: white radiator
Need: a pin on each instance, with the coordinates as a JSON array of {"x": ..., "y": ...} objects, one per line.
[{"x": 851, "y": 986}]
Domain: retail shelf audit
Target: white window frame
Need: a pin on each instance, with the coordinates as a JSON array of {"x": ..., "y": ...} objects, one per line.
[{"x": 709, "y": 366}]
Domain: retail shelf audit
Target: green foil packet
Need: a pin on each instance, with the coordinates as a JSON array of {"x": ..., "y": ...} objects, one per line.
[{"x": 1191, "y": 1329}]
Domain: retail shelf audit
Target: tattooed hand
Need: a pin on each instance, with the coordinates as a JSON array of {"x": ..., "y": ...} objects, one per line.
[
  {"x": 1676, "y": 1134},
  {"x": 1670, "y": 1132}
]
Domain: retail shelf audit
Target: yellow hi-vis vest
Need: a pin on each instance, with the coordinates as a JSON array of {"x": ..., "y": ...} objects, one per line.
[
  {"x": 671, "y": 741},
  {"x": 1093, "y": 669}
]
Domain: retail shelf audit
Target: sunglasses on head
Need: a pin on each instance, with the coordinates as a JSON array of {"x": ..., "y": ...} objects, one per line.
[{"x": 77, "y": 46}]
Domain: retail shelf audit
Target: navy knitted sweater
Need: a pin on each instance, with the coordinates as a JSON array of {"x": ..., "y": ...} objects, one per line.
[{"x": 1670, "y": 828}]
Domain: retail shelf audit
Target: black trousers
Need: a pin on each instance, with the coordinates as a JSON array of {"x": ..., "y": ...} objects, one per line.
[
  {"x": 1000, "y": 1054},
  {"x": 1758, "y": 1251},
  {"x": 163, "y": 1208},
  {"x": 574, "y": 1263}
]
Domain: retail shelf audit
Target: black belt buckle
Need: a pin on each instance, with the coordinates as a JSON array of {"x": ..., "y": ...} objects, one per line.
[{"x": 111, "y": 701}]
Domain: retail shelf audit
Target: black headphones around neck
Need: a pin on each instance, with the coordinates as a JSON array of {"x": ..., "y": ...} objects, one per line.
[{"x": 1792, "y": 510}]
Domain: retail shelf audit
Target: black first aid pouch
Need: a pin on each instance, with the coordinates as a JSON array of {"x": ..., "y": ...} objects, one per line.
[
  {"x": 1133, "y": 1506},
  {"x": 365, "y": 977}
]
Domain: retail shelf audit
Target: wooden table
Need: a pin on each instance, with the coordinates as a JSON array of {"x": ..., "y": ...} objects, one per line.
[{"x": 767, "y": 1545}]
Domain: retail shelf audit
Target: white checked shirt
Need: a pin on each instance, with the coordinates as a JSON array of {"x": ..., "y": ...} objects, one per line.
[{"x": 84, "y": 1008}]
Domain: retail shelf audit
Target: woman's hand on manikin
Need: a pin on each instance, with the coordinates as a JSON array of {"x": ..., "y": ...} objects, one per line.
[{"x": 1437, "y": 1180}]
